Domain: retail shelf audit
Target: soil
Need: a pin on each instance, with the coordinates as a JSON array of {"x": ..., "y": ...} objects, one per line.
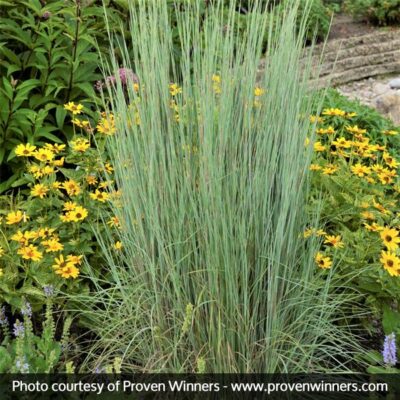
[{"x": 344, "y": 26}]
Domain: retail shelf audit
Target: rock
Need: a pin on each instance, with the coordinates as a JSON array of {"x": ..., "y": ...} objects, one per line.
[
  {"x": 389, "y": 104},
  {"x": 395, "y": 83},
  {"x": 380, "y": 88}
]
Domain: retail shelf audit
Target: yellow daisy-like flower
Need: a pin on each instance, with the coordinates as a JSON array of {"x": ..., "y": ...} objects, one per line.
[
  {"x": 53, "y": 245},
  {"x": 23, "y": 237},
  {"x": 374, "y": 227},
  {"x": 108, "y": 167},
  {"x": 342, "y": 143},
  {"x": 334, "y": 241},
  {"x": 45, "y": 232},
  {"x": 99, "y": 196},
  {"x": 56, "y": 185},
  {"x": 330, "y": 169},
  {"x": 30, "y": 252},
  {"x": 390, "y": 133},
  {"x": 386, "y": 176},
  {"x": 43, "y": 155},
  {"x": 65, "y": 268},
  {"x": 80, "y": 145},
  {"x": 76, "y": 260},
  {"x": 315, "y": 119},
  {"x": 360, "y": 170},
  {"x": 74, "y": 108},
  {"x": 391, "y": 263},
  {"x": 334, "y": 112},
  {"x": 114, "y": 222},
  {"x": 39, "y": 190},
  {"x": 368, "y": 215},
  {"x": 72, "y": 187},
  {"x": 355, "y": 130},
  {"x": 322, "y": 261},
  {"x": 390, "y": 238},
  {"x": 91, "y": 180},
  {"x": 78, "y": 214},
  {"x": 174, "y": 89},
  {"x": 106, "y": 125},
  {"x": 319, "y": 147},
  {"x": 118, "y": 245},
  {"x": 70, "y": 206},
  {"x": 14, "y": 217},
  {"x": 315, "y": 167},
  {"x": 390, "y": 161},
  {"x": 326, "y": 131},
  {"x": 25, "y": 150},
  {"x": 258, "y": 91}
]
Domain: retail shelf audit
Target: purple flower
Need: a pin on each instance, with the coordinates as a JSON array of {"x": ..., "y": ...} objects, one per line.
[
  {"x": 389, "y": 350},
  {"x": 22, "y": 366},
  {"x": 46, "y": 15},
  {"x": 48, "y": 290},
  {"x": 26, "y": 310},
  {"x": 3, "y": 317},
  {"x": 125, "y": 75},
  {"x": 19, "y": 329},
  {"x": 99, "y": 370}
]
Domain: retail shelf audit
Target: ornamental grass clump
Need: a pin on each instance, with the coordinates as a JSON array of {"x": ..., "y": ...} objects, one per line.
[{"x": 211, "y": 271}]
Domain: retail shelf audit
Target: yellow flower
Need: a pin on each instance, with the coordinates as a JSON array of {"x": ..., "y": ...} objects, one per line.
[
  {"x": 69, "y": 271},
  {"x": 99, "y": 196},
  {"x": 330, "y": 169},
  {"x": 334, "y": 112},
  {"x": 58, "y": 163},
  {"x": 320, "y": 232},
  {"x": 39, "y": 190},
  {"x": 56, "y": 185},
  {"x": 216, "y": 78},
  {"x": 315, "y": 119},
  {"x": 30, "y": 252},
  {"x": 323, "y": 262},
  {"x": 334, "y": 241},
  {"x": 74, "y": 108},
  {"x": 108, "y": 167},
  {"x": 72, "y": 187},
  {"x": 56, "y": 148},
  {"x": 355, "y": 130},
  {"x": 258, "y": 91},
  {"x": 328, "y": 131},
  {"x": 43, "y": 154},
  {"x": 319, "y": 147},
  {"x": 390, "y": 238},
  {"x": 380, "y": 207},
  {"x": 75, "y": 260},
  {"x": 386, "y": 176},
  {"x": 91, "y": 180},
  {"x": 52, "y": 245},
  {"x": 45, "y": 232},
  {"x": 78, "y": 214},
  {"x": 65, "y": 268},
  {"x": 14, "y": 217},
  {"x": 315, "y": 167},
  {"x": 25, "y": 150},
  {"x": 174, "y": 89},
  {"x": 2, "y": 251},
  {"x": 36, "y": 171},
  {"x": 69, "y": 206},
  {"x": 1, "y": 272},
  {"x": 341, "y": 142},
  {"x": 360, "y": 170},
  {"x": 391, "y": 263},
  {"x": 114, "y": 222},
  {"x": 390, "y": 133},
  {"x": 390, "y": 161},
  {"x": 350, "y": 115},
  {"x": 106, "y": 125},
  {"x": 374, "y": 227},
  {"x": 368, "y": 215},
  {"x": 118, "y": 245},
  {"x": 23, "y": 238},
  {"x": 80, "y": 145}
]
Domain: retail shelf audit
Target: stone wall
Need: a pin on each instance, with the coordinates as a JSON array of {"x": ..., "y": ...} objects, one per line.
[{"x": 355, "y": 58}]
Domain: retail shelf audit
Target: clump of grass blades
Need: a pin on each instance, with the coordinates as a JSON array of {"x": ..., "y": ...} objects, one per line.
[{"x": 214, "y": 270}]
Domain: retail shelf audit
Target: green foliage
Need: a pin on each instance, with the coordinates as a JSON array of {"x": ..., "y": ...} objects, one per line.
[
  {"x": 380, "y": 12},
  {"x": 48, "y": 56},
  {"x": 23, "y": 350}
]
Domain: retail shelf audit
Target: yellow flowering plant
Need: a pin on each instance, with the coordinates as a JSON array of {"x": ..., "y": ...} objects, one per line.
[
  {"x": 46, "y": 230},
  {"x": 355, "y": 173}
]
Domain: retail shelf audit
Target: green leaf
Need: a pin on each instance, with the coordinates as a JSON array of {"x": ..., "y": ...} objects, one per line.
[{"x": 391, "y": 320}]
